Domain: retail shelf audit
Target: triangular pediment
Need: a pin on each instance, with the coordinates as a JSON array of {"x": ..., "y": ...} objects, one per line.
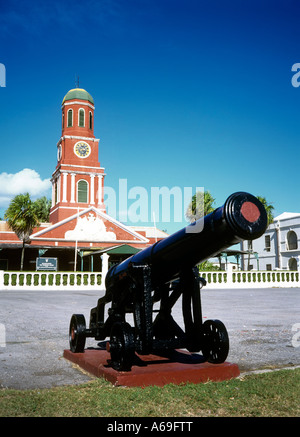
[{"x": 90, "y": 225}]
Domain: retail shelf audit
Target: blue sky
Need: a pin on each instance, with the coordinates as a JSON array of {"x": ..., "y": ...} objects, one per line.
[{"x": 188, "y": 93}]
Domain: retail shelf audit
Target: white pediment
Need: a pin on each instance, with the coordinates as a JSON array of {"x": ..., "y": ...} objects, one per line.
[
  {"x": 90, "y": 228},
  {"x": 89, "y": 225}
]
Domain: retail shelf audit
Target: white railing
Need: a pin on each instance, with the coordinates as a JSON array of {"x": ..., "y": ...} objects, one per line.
[
  {"x": 53, "y": 280},
  {"x": 251, "y": 279},
  {"x": 89, "y": 280}
]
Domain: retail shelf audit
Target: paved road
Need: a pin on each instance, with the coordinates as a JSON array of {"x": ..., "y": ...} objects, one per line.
[{"x": 259, "y": 323}]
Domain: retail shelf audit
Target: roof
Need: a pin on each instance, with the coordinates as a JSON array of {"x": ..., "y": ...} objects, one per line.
[
  {"x": 150, "y": 231},
  {"x": 123, "y": 249},
  {"x": 78, "y": 93},
  {"x": 287, "y": 215},
  {"x": 234, "y": 252}
]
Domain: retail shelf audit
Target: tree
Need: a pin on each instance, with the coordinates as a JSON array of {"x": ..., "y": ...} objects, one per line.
[
  {"x": 200, "y": 205},
  {"x": 21, "y": 218},
  {"x": 268, "y": 207},
  {"x": 42, "y": 208},
  {"x": 207, "y": 266}
]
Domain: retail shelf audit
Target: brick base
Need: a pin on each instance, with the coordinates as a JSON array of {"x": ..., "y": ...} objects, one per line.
[{"x": 181, "y": 367}]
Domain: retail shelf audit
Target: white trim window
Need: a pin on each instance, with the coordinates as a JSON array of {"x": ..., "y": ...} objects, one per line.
[
  {"x": 82, "y": 191},
  {"x": 70, "y": 118},
  {"x": 81, "y": 117}
]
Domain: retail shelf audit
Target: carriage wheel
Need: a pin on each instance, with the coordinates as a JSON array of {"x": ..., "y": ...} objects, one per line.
[
  {"x": 77, "y": 333},
  {"x": 122, "y": 346},
  {"x": 215, "y": 341}
]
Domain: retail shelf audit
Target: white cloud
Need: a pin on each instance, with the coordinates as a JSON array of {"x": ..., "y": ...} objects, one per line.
[{"x": 25, "y": 181}]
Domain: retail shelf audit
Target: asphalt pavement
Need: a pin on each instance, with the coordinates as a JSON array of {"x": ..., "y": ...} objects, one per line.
[{"x": 263, "y": 327}]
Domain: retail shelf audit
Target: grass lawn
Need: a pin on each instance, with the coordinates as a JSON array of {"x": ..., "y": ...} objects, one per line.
[{"x": 257, "y": 395}]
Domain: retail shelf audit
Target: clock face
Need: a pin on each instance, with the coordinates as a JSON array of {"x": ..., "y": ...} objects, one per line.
[
  {"x": 82, "y": 149},
  {"x": 59, "y": 153}
]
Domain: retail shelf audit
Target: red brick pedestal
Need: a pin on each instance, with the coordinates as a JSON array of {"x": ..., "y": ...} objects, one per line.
[{"x": 181, "y": 367}]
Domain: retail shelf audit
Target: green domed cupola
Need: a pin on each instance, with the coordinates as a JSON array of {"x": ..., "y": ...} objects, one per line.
[{"x": 78, "y": 93}]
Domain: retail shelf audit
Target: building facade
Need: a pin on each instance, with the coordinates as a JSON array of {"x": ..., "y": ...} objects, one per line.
[
  {"x": 78, "y": 223},
  {"x": 278, "y": 248}
]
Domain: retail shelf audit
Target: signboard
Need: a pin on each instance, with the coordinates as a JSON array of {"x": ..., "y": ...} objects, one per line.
[{"x": 46, "y": 264}]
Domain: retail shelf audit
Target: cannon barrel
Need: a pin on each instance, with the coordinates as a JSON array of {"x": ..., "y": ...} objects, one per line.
[{"x": 242, "y": 217}]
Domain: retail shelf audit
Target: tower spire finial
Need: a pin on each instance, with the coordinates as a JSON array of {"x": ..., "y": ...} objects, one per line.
[{"x": 76, "y": 81}]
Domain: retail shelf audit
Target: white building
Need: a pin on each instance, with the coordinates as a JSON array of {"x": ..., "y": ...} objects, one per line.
[{"x": 278, "y": 248}]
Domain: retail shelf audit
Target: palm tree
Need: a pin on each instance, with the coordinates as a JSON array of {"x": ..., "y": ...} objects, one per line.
[
  {"x": 21, "y": 218},
  {"x": 268, "y": 207},
  {"x": 200, "y": 205},
  {"x": 42, "y": 208}
]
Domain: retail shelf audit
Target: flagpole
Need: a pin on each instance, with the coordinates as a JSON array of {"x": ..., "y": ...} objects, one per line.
[{"x": 154, "y": 225}]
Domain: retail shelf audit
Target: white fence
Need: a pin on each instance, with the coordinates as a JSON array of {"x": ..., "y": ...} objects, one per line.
[
  {"x": 251, "y": 279},
  {"x": 90, "y": 281},
  {"x": 53, "y": 280}
]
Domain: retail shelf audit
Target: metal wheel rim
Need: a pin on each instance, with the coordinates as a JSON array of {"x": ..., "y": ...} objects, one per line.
[
  {"x": 122, "y": 346},
  {"x": 77, "y": 333},
  {"x": 215, "y": 341}
]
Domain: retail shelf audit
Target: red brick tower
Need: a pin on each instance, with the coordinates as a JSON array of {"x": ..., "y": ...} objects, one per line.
[{"x": 77, "y": 181}]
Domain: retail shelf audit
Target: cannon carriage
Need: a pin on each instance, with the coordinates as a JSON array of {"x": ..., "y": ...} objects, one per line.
[{"x": 161, "y": 274}]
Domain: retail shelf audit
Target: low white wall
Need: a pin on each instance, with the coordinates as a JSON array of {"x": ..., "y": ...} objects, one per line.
[
  {"x": 53, "y": 280},
  {"x": 252, "y": 279},
  {"x": 88, "y": 280}
]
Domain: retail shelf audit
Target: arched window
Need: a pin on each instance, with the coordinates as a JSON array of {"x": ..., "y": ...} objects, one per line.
[
  {"x": 82, "y": 191},
  {"x": 293, "y": 264},
  {"x": 55, "y": 193},
  {"x": 292, "y": 243},
  {"x": 91, "y": 121},
  {"x": 70, "y": 118},
  {"x": 81, "y": 117}
]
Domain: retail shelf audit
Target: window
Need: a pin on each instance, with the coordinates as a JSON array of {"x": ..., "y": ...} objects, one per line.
[
  {"x": 70, "y": 117},
  {"x": 55, "y": 193},
  {"x": 292, "y": 243},
  {"x": 267, "y": 243},
  {"x": 269, "y": 267},
  {"x": 91, "y": 121},
  {"x": 81, "y": 117},
  {"x": 82, "y": 191},
  {"x": 250, "y": 246},
  {"x": 293, "y": 264}
]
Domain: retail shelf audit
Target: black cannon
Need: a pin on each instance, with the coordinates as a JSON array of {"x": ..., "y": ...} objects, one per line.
[{"x": 160, "y": 275}]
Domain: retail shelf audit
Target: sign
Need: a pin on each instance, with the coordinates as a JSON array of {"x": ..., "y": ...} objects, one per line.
[{"x": 46, "y": 264}]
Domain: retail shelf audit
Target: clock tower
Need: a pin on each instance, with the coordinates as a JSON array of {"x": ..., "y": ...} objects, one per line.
[{"x": 77, "y": 182}]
